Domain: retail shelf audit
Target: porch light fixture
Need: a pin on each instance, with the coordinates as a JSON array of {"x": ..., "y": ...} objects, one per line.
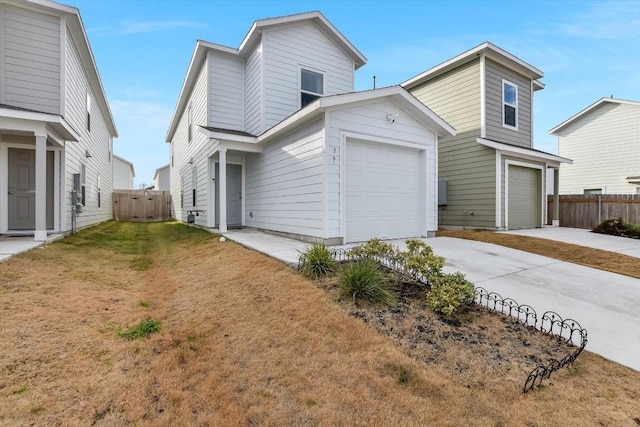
[
  {"x": 391, "y": 118},
  {"x": 191, "y": 161},
  {"x": 87, "y": 154}
]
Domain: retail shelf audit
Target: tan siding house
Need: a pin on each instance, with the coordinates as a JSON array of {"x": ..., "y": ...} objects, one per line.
[
  {"x": 493, "y": 176},
  {"x": 604, "y": 142}
]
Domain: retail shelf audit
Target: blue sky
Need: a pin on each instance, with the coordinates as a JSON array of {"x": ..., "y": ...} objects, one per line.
[{"x": 587, "y": 50}]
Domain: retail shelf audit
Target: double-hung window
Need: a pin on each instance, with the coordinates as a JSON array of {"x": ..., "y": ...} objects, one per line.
[
  {"x": 509, "y": 105},
  {"x": 311, "y": 86}
]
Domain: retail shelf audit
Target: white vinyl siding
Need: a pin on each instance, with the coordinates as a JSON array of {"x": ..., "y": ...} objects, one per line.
[
  {"x": 184, "y": 151},
  {"x": 370, "y": 120},
  {"x": 285, "y": 50},
  {"x": 253, "y": 101},
  {"x": 495, "y": 75},
  {"x": 31, "y": 74},
  {"x": 226, "y": 99},
  {"x": 284, "y": 190},
  {"x": 604, "y": 145},
  {"x": 97, "y": 143}
]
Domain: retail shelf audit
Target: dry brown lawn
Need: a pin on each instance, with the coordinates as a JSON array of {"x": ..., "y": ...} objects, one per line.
[{"x": 244, "y": 340}]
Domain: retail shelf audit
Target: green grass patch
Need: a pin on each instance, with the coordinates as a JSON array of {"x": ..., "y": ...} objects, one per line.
[
  {"x": 141, "y": 263},
  {"x": 142, "y": 329},
  {"x": 20, "y": 390},
  {"x": 144, "y": 304}
]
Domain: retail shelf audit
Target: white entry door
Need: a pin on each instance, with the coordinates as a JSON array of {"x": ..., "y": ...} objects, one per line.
[{"x": 385, "y": 194}]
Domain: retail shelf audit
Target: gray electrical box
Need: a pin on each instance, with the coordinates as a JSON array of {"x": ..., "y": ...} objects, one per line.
[{"x": 443, "y": 195}]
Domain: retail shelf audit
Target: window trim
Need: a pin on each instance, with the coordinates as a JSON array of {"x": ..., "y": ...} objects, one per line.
[
  {"x": 505, "y": 103},
  {"x": 302, "y": 68}
]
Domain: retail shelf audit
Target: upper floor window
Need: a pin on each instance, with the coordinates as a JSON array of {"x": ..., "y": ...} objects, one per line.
[
  {"x": 592, "y": 191},
  {"x": 88, "y": 111},
  {"x": 509, "y": 104},
  {"x": 189, "y": 122},
  {"x": 311, "y": 87}
]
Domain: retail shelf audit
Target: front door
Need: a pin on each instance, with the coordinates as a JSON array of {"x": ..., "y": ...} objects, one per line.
[
  {"x": 22, "y": 189},
  {"x": 234, "y": 195}
]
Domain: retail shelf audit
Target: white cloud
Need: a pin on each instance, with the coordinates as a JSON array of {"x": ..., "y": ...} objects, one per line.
[
  {"x": 128, "y": 28},
  {"x": 604, "y": 21}
]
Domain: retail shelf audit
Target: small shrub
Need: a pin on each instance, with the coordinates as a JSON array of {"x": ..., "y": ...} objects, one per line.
[
  {"x": 419, "y": 260},
  {"x": 318, "y": 261},
  {"x": 449, "y": 292},
  {"x": 372, "y": 249},
  {"x": 142, "y": 329},
  {"x": 617, "y": 227},
  {"x": 363, "y": 280}
]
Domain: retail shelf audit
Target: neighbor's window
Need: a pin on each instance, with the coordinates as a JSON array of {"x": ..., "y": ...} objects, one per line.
[
  {"x": 194, "y": 185},
  {"x": 592, "y": 191},
  {"x": 509, "y": 104},
  {"x": 182, "y": 192},
  {"x": 83, "y": 184},
  {"x": 99, "y": 204},
  {"x": 311, "y": 87},
  {"x": 88, "y": 111}
]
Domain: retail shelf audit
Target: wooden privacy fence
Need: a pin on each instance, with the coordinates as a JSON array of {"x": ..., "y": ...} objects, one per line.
[
  {"x": 141, "y": 205},
  {"x": 589, "y": 210}
]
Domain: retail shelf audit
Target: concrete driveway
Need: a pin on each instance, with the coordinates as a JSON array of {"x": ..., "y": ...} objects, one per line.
[{"x": 604, "y": 303}]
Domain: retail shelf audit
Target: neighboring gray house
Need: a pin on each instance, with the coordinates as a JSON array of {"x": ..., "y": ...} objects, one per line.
[
  {"x": 55, "y": 121},
  {"x": 604, "y": 142},
  {"x": 162, "y": 179},
  {"x": 272, "y": 135},
  {"x": 492, "y": 175},
  {"x": 123, "y": 173}
]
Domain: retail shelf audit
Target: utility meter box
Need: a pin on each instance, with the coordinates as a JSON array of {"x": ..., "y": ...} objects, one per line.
[
  {"x": 191, "y": 218},
  {"x": 443, "y": 187}
]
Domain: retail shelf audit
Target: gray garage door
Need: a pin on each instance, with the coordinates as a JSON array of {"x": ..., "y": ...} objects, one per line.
[{"x": 524, "y": 198}]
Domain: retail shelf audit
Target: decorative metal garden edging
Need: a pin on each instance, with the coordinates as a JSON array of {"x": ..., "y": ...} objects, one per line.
[{"x": 567, "y": 330}]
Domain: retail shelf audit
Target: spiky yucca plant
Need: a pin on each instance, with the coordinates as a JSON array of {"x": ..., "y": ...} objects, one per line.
[
  {"x": 318, "y": 261},
  {"x": 363, "y": 280}
]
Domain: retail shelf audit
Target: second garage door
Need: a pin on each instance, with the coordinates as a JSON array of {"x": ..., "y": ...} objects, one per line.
[
  {"x": 384, "y": 191},
  {"x": 524, "y": 197}
]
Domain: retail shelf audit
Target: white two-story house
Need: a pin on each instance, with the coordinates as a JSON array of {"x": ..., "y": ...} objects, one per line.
[
  {"x": 54, "y": 121},
  {"x": 271, "y": 135}
]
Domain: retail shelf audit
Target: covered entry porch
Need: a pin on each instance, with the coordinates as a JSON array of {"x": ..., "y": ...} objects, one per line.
[{"x": 32, "y": 158}]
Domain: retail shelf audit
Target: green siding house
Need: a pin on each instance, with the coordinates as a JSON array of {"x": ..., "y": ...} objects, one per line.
[{"x": 491, "y": 176}]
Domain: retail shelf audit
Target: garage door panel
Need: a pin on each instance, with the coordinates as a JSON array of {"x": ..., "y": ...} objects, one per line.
[
  {"x": 383, "y": 196},
  {"x": 524, "y": 197}
]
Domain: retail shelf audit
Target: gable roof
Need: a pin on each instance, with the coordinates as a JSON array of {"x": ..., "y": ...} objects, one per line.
[
  {"x": 74, "y": 21},
  {"x": 254, "y": 34},
  {"x": 160, "y": 169},
  {"x": 490, "y": 51},
  {"x": 318, "y": 18},
  {"x": 589, "y": 109},
  {"x": 126, "y": 163}
]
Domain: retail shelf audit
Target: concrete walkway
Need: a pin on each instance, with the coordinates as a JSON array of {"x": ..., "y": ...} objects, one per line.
[
  {"x": 604, "y": 303},
  {"x": 10, "y": 246},
  {"x": 583, "y": 237}
]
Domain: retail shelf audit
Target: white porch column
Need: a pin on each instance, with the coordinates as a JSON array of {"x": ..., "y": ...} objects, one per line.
[
  {"x": 40, "y": 234},
  {"x": 555, "y": 222},
  {"x": 222, "y": 189}
]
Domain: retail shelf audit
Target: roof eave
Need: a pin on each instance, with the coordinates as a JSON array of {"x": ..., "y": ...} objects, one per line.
[{"x": 521, "y": 151}]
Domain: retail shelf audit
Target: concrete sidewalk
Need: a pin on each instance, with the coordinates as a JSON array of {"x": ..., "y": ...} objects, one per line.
[
  {"x": 10, "y": 246},
  {"x": 583, "y": 237},
  {"x": 604, "y": 303}
]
